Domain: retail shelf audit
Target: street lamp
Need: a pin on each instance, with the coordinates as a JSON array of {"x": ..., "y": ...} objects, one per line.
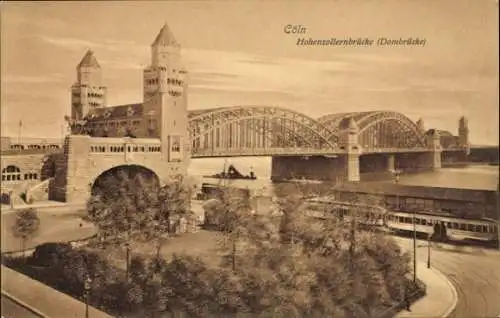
[
  {"x": 396, "y": 181},
  {"x": 429, "y": 251},
  {"x": 127, "y": 256},
  {"x": 87, "y": 286}
]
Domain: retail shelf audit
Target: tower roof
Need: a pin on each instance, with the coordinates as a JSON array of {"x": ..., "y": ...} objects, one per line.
[
  {"x": 89, "y": 60},
  {"x": 420, "y": 124},
  {"x": 352, "y": 124},
  {"x": 165, "y": 37}
]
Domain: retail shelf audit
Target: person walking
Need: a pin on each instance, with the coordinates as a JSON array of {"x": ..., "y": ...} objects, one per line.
[{"x": 407, "y": 297}]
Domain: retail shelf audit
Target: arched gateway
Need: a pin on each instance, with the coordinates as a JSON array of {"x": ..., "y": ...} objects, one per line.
[{"x": 116, "y": 175}]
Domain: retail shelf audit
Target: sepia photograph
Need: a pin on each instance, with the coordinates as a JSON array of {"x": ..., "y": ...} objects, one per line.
[{"x": 281, "y": 159}]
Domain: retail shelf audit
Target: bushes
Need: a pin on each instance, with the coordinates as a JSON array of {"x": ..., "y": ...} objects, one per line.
[{"x": 48, "y": 254}]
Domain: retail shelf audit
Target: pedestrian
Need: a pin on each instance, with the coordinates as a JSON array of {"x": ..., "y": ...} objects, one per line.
[{"x": 407, "y": 299}]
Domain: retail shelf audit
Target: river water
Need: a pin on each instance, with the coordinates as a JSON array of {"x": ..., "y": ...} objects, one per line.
[{"x": 481, "y": 177}]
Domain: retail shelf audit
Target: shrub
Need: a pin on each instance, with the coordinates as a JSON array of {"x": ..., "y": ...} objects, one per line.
[{"x": 48, "y": 254}]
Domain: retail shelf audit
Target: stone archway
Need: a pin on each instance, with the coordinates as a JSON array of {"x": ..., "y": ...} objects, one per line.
[{"x": 117, "y": 176}]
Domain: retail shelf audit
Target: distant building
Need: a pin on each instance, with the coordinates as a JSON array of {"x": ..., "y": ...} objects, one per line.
[{"x": 463, "y": 203}]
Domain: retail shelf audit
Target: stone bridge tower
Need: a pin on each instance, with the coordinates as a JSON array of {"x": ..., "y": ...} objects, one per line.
[
  {"x": 463, "y": 134},
  {"x": 350, "y": 142},
  {"x": 88, "y": 92},
  {"x": 165, "y": 97},
  {"x": 163, "y": 152}
]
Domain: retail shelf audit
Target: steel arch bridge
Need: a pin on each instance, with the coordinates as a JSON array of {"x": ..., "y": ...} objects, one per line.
[
  {"x": 270, "y": 130},
  {"x": 378, "y": 130}
]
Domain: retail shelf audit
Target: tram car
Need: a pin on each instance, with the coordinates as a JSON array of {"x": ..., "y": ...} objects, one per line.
[
  {"x": 325, "y": 208},
  {"x": 437, "y": 226},
  {"x": 444, "y": 227}
]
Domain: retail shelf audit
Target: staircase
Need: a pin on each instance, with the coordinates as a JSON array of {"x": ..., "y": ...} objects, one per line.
[{"x": 39, "y": 192}]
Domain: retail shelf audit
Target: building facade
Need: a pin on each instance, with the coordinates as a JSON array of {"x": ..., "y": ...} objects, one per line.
[{"x": 151, "y": 135}]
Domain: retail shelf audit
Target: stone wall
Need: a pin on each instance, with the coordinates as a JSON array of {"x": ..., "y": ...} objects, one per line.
[
  {"x": 86, "y": 158},
  {"x": 30, "y": 174}
]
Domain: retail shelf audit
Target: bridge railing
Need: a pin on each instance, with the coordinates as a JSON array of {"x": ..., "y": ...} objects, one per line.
[
  {"x": 263, "y": 152},
  {"x": 221, "y": 152}
]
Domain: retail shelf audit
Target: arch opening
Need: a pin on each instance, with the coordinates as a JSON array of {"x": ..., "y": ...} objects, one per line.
[{"x": 124, "y": 177}]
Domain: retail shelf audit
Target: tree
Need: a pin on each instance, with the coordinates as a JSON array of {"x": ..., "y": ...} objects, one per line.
[
  {"x": 173, "y": 199},
  {"x": 232, "y": 216},
  {"x": 26, "y": 225},
  {"x": 119, "y": 204},
  {"x": 185, "y": 286}
]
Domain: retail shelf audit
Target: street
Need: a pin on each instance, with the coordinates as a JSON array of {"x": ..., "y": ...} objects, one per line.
[
  {"x": 57, "y": 224},
  {"x": 11, "y": 309},
  {"x": 475, "y": 275}
]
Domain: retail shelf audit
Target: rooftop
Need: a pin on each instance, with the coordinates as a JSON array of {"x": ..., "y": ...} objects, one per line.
[
  {"x": 115, "y": 112},
  {"x": 89, "y": 60},
  {"x": 454, "y": 194},
  {"x": 165, "y": 37}
]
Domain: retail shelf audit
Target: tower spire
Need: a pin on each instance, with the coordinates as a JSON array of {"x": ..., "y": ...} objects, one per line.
[
  {"x": 89, "y": 60},
  {"x": 165, "y": 37}
]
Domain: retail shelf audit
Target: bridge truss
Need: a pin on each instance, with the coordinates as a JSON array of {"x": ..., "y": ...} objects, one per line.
[
  {"x": 268, "y": 130},
  {"x": 379, "y": 130},
  {"x": 259, "y": 130}
]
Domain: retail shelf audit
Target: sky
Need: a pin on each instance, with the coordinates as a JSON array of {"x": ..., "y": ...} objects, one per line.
[{"x": 237, "y": 53}]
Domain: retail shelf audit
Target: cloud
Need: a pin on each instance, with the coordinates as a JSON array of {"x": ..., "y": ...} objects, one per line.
[
  {"x": 121, "y": 64},
  {"x": 131, "y": 48},
  {"x": 72, "y": 44},
  {"x": 33, "y": 79}
]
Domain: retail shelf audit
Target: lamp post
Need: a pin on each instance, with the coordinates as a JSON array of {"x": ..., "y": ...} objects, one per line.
[
  {"x": 429, "y": 251},
  {"x": 127, "y": 256},
  {"x": 87, "y": 286},
  {"x": 396, "y": 181}
]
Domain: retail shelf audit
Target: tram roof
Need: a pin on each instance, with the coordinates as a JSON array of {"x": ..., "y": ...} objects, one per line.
[{"x": 453, "y": 194}]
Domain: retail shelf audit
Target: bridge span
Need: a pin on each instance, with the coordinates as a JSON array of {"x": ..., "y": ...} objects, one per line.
[{"x": 333, "y": 147}]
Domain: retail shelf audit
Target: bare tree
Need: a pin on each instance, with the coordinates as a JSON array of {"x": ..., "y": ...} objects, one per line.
[{"x": 26, "y": 225}]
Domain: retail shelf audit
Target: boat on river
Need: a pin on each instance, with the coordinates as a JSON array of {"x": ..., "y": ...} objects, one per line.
[{"x": 233, "y": 174}]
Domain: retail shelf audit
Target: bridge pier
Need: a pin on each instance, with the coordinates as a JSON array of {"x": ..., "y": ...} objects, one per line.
[
  {"x": 391, "y": 162},
  {"x": 71, "y": 177},
  {"x": 321, "y": 168}
]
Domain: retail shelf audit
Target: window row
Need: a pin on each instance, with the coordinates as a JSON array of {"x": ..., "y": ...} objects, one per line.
[
  {"x": 122, "y": 123},
  {"x": 129, "y": 148},
  {"x": 174, "y": 93},
  {"x": 174, "y": 81},
  {"x": 13, "y": 173},
  {"x": 450, "y": 225},
  {"x": 23, "y": 147},
  {"x": 152, "y": 81},
  {"x": 100, "y": 87},
  {"x": 94, "y": 95}
]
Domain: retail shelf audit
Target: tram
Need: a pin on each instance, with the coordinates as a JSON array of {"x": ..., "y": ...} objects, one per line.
[
  {"x": 325, "y": 208},
  {"x": 439, "y": 226},
  {"x": 445, "y": 227}
]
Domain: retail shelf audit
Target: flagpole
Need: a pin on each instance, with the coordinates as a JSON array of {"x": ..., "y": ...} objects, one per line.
[{"x": 19, "y": 131}]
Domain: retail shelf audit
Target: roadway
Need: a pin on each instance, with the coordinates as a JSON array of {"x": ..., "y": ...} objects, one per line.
[
  {"x": 11, "y": 309},
  {"x": 57, "y": 224},
  {"x": 474, "y": 272}
]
